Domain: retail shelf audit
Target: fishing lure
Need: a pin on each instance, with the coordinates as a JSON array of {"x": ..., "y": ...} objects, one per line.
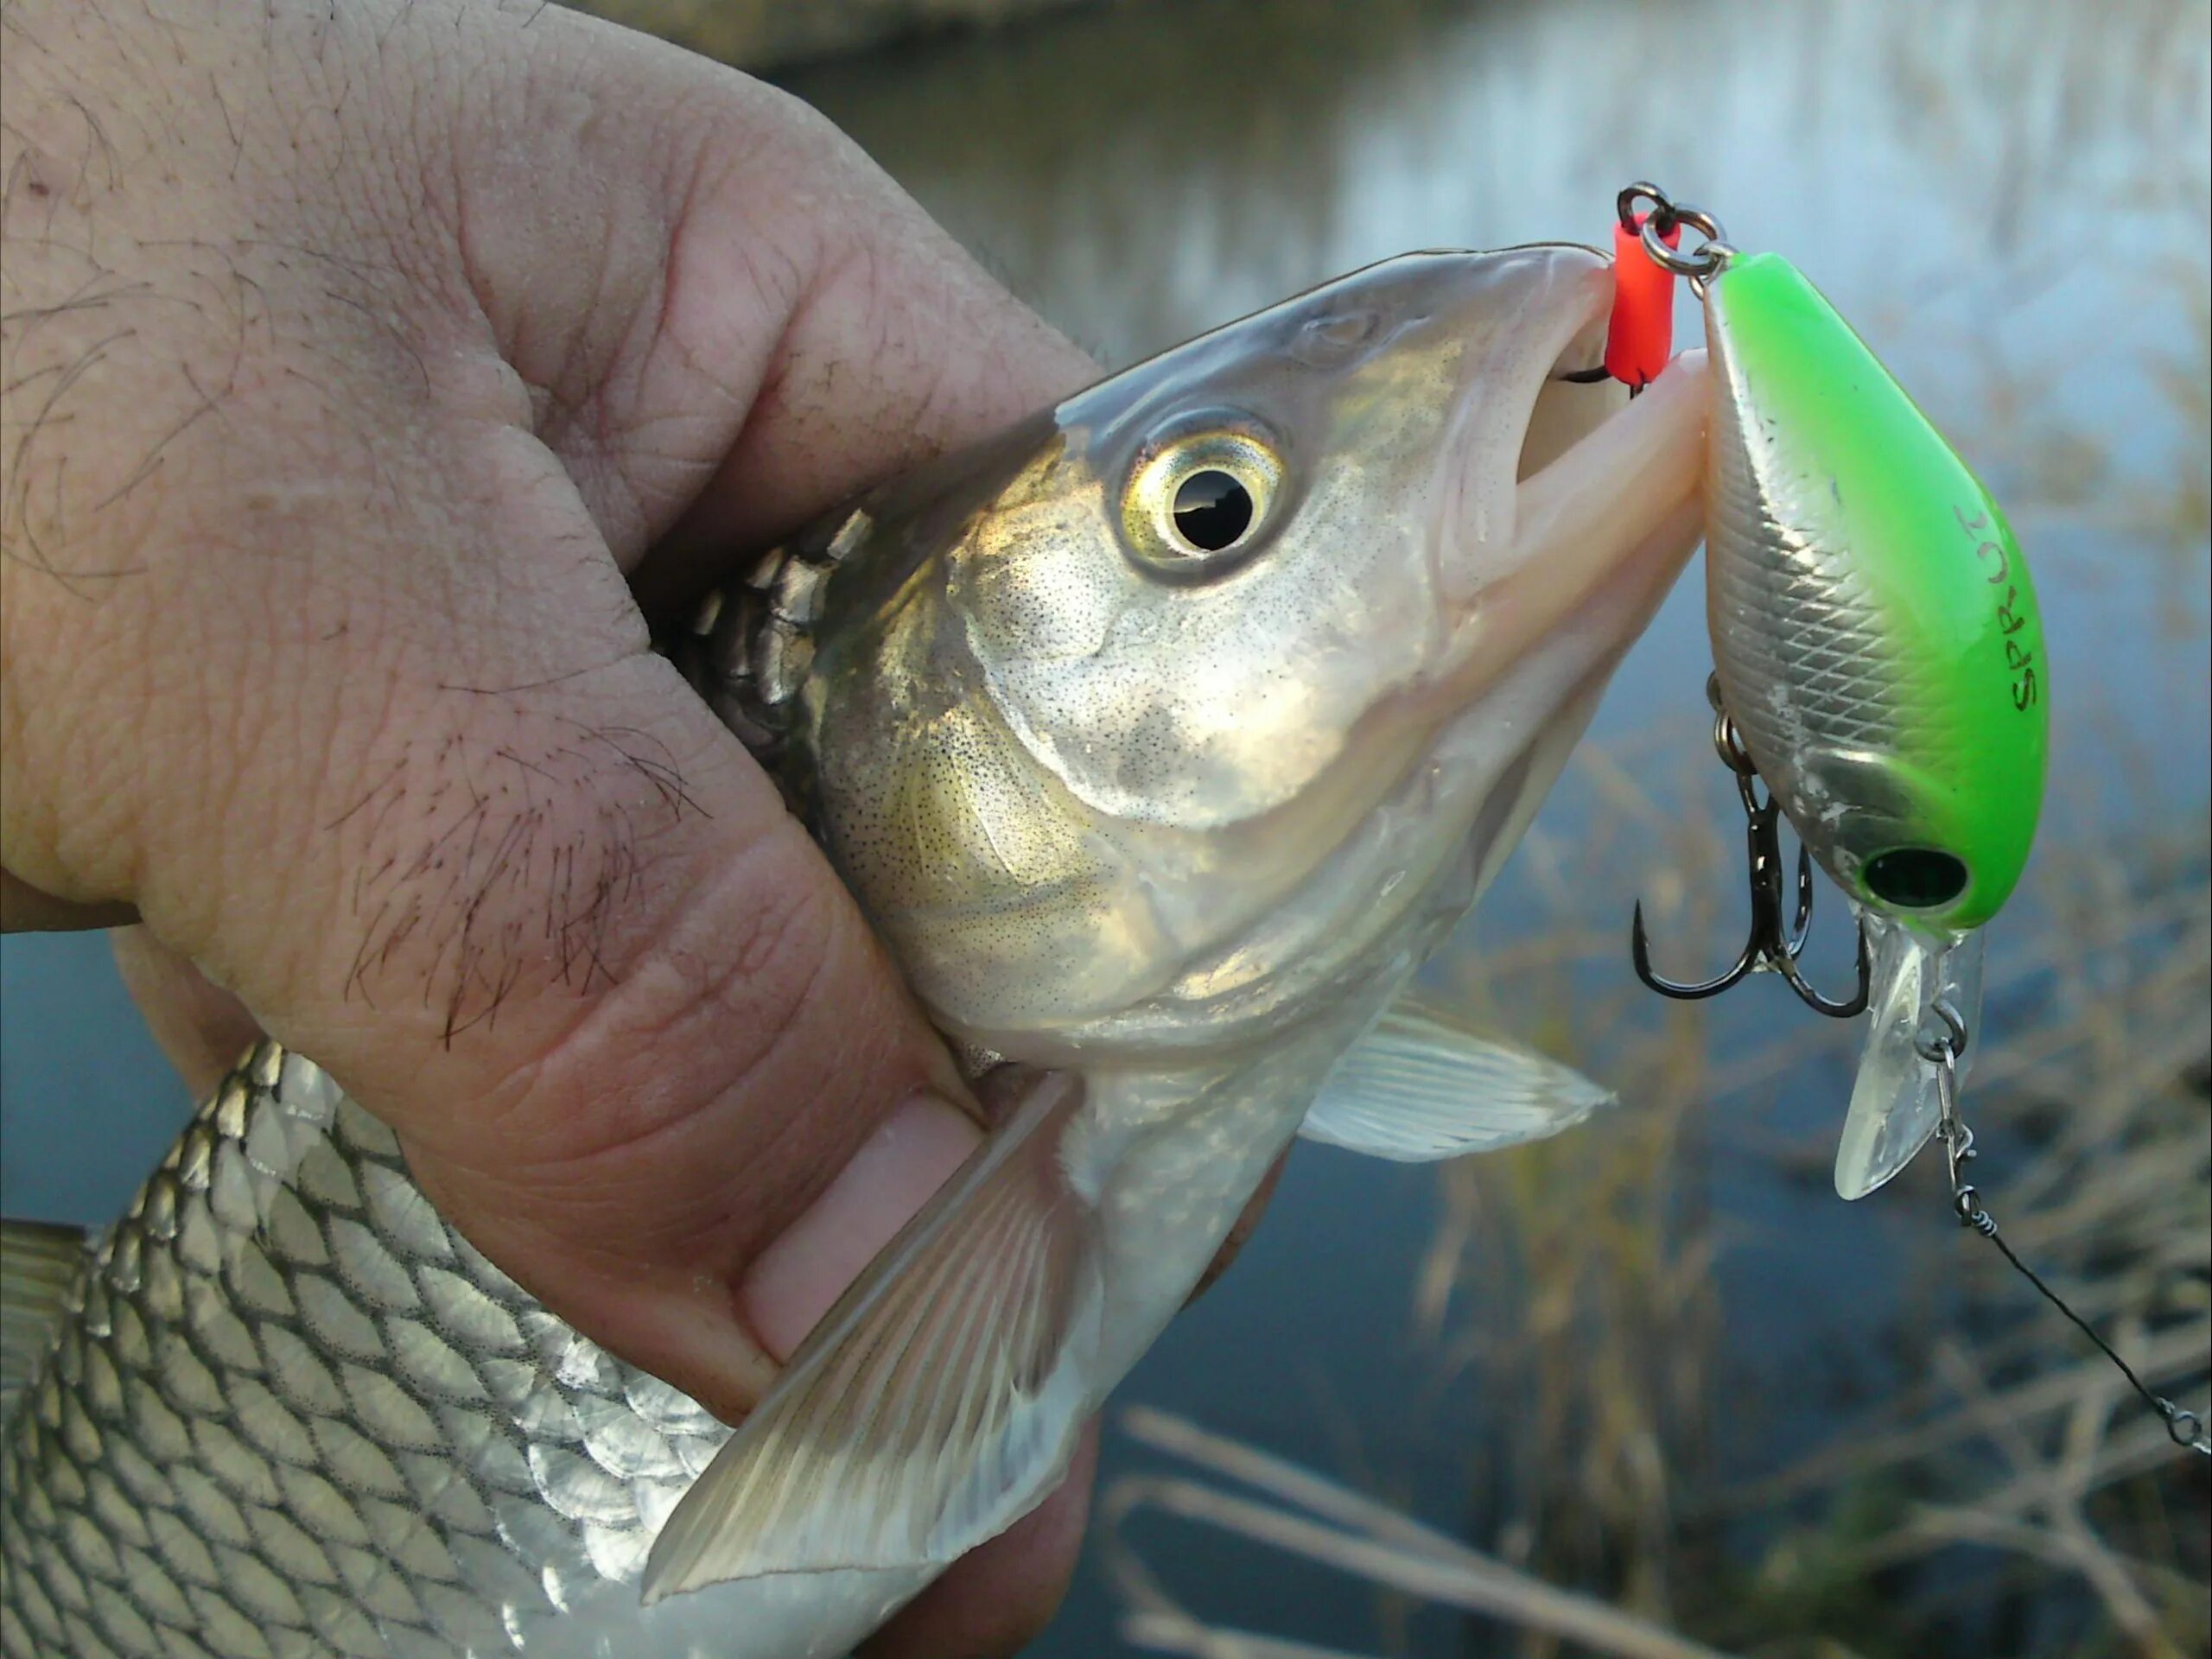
[{"x": 1879, "y": 668}]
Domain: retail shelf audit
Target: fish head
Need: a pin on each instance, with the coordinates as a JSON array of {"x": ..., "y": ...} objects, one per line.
[
  {"x": 1245, "y": 645},
  {"x": 1263, "y": 541}
]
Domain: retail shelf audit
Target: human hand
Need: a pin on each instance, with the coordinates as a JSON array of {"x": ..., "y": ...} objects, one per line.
[{"x": 371, "y": 373}]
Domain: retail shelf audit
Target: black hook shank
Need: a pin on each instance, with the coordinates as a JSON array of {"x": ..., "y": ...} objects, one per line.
[{"x": 1777, "y": 935}]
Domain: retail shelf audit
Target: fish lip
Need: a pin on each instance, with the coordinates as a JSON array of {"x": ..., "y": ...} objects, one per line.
[
  {"x": 1478, "y": 464},
  {"x": 1513, "y": 559}
]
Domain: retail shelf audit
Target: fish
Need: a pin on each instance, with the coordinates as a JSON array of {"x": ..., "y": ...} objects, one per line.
[
  {"x": 1879, "y": 651},
  {"x": 1162, "y": 738}
]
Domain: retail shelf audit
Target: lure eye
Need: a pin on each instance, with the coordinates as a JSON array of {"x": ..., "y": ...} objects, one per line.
[
  {"x": 1200, "y": 502},
  {"x": 1914, "y": 878}
]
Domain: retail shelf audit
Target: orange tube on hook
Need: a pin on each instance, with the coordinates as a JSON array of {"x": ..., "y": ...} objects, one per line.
[{"x": 1641, "y": 335}]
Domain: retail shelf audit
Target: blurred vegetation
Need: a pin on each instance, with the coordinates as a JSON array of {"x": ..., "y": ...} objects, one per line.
[
  {"x": 779, "y": 34},
  {"x": 1973, "y": 1477},
  {"x": 2004, "y": 1443}
]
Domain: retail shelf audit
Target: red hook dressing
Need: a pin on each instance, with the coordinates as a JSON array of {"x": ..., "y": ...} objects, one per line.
[{"x": 1641, "y": 335}]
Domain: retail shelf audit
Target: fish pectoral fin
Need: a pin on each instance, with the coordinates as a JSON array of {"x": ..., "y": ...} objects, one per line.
[
  {"x": 937, "y": 1402},
  {"x": 1421, "y": 1086},
  {"x": 39, "y": 1262}
]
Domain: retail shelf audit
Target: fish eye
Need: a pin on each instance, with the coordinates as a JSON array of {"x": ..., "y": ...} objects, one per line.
[
  {"x": 1212, "y": 509},
  {"x": 1914, "y": 878},
  {"x": 1199, "y": 502}
]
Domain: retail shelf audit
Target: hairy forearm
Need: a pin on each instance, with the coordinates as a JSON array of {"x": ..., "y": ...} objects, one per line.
[{"x": 142, "y": 314}]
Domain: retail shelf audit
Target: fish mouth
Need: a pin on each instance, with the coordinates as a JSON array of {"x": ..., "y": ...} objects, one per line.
[
  {"x": 1607, "y": 489},
  {"x": 1603, "y": 504},
  {"x": 1565, "y": 506}
]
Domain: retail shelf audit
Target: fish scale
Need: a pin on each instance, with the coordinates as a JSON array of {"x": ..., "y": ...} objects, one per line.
[{"x": 294, "y": 1414}]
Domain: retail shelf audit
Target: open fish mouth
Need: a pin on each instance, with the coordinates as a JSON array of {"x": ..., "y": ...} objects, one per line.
[
  {"x": 1607, "y": 483},
  {"x": 1602, "y": 505}
]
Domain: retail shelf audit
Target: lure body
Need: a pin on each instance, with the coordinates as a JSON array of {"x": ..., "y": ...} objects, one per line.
[
  {"x": 1872, "y": 619},
  {"x": 1879, "y": 649}
]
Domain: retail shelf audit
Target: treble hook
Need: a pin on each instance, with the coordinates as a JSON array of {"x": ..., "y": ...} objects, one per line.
[{"x": 1773, "y": 942}]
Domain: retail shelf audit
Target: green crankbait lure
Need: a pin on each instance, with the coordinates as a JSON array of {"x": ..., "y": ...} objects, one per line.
[
  {"x": 1877, "y": 648},
  {"x": 1872, "y": 620},
  {"x": 1878, "y": 665}
]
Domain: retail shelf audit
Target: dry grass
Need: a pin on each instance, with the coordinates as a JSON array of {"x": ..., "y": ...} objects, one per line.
[
  {"x": 1339, "y": 1528},
  {"x": 2000, "y": 1492}
]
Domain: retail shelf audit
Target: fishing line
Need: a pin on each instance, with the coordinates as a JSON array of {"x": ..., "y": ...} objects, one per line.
[{"x": 2183, "y": 1426}]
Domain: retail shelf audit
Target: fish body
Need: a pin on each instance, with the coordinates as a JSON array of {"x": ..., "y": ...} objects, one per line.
[
  {"x": 287, "y": 1409},
  {"x": 1880, "y": 652},
  {"x": 1161, "y": 739}
]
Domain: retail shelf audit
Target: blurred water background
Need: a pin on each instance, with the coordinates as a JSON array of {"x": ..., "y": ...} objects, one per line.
[{"x": 1658, "y": 1359}]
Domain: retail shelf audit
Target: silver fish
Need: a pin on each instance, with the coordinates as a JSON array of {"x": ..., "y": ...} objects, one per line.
[{"x": 1162, "y": 738}]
